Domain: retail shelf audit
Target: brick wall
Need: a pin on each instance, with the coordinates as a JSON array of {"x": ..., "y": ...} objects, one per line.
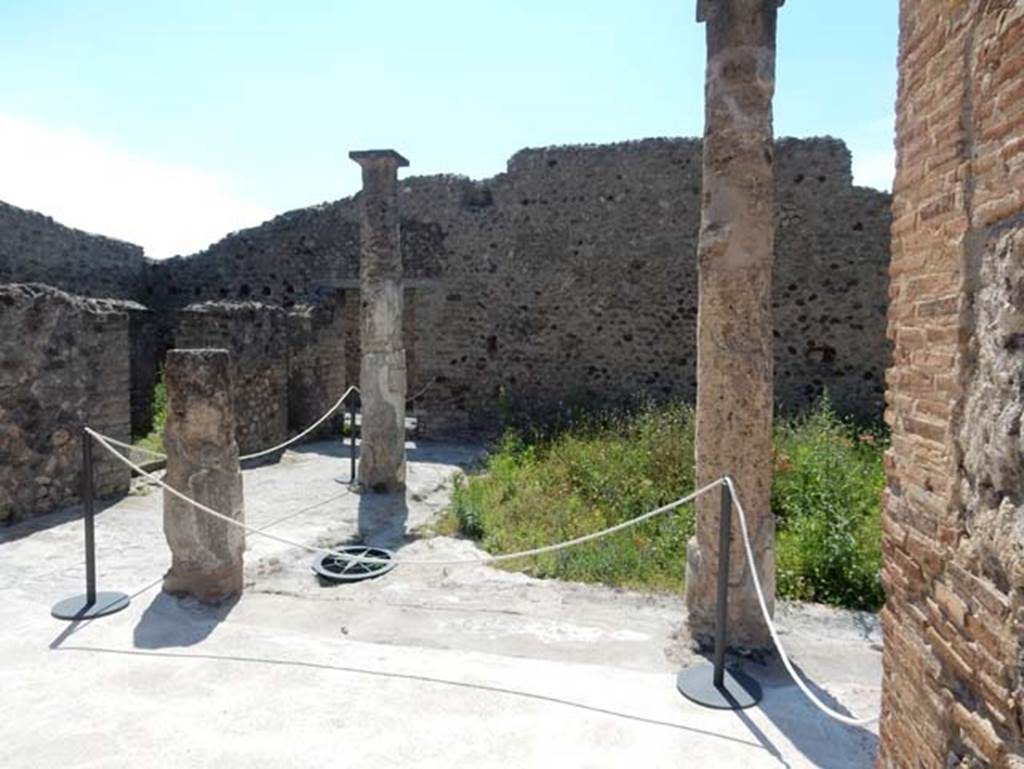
[
  {"x": 953, "y": 510},
  {"x": 63, "y": 363}
]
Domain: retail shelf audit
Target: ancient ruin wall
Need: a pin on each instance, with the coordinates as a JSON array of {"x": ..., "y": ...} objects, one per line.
[
  {"x": 572, "y": 278},
  {"x": 145, "y": 360},
  {"x": 36, "y": 249},
  {"x": 316, "y": 365},
  {"x": 63, "y": 363},
  {"x": 256, "y": 336},
  {"x": 953, "y": 510}
]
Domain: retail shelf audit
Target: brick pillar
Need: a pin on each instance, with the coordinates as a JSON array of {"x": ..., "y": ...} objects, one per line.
[
  {"x": 734, "y": 338},
  {"x": 202, "y": 463},
  {"x": 382, "y": 371}
]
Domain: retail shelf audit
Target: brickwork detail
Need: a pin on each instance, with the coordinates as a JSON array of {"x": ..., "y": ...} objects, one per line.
[{"x": 953, "y": 540}]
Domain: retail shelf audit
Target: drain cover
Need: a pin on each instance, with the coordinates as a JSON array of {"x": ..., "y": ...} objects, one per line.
[{"x": 344, "y": 565}]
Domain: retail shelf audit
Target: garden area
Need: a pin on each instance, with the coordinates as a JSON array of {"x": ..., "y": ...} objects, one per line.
[{"x": 535, "y": 489}]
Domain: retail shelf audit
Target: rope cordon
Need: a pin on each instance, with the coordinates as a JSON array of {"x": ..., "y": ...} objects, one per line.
[
  {"x": 264, "y": 452},
  {"x": 726, "y": 481},
  {"x": 797, "y": 679},
  {"x": 305, "y": 432},
  {"x": 294, "y": 439},
  {"x": 102, "y": 440}
]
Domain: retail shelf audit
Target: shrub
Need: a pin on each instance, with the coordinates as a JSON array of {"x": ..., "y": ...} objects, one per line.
[
  {"x": 826, "y": 494},
  {"x": 154, "y": 441},
  {"x": 607, "y": 468},
  {"x": 603, "y": 471}
]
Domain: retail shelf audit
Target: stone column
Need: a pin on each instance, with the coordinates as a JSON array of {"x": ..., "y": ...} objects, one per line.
[
  {"x": 734, "y": 337},
  {"x": 382, "y": 371},
  {"x": 202, "y": 463}
]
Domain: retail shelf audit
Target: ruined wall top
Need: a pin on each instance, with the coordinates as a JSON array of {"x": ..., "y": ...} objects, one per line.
[
  {"x": 36, "y": 249},
  {"x": 285, "y": 259},
  {"x": 16, "y": 292}
]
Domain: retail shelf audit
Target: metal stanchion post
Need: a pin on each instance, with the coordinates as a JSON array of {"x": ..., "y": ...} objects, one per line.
[
  {"x": 351, "y": 444},
  {"x": 352, "y": 440},
  {"x": 712, "y": 685},
  {"x": 92, "y": 604}
]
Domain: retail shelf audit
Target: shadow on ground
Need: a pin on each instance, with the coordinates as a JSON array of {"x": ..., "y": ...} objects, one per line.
[
  {"x": 13, "y": 530},
  {"x": 422, "y": 679},
  {"x": 819, "y": 738},
  {"x": 170, "y": 621},
  {"x": 382, "y": 519}
]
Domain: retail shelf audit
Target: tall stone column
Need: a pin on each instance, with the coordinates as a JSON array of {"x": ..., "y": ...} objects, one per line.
[
  {"x": 734, "y": 337},
  {"x": 382, "y": 374},
  {"x": 202, "y": 463}
]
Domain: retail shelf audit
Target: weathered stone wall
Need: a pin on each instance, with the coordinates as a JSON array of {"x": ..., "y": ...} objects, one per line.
[
  {"x": 953, "y": 510},
  {"x": 63, "y": 363},
  {"x": 256, "y": 335},
  {"x": 144, "y": 361},
  {"x": 316, "y": 365},
  {"x": 572, "y": 277},
  {"x": 279, "y": 262},
  {"x": 36, "y": 249}
]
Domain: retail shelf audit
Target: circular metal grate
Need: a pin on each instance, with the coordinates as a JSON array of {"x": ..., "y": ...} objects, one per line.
[{"x": 338, "y": 568}]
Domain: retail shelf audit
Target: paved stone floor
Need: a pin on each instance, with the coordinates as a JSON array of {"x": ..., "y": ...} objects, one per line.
[{"x": 425, "y": 666}]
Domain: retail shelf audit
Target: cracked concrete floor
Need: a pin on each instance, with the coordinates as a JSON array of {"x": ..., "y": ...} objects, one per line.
[{"x": 425, "y": 666}]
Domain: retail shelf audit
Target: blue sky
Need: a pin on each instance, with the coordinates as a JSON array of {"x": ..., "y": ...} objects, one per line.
[{"x": 170, "y": 124}]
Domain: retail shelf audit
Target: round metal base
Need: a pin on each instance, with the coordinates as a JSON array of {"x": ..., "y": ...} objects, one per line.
[
  {"x": 738, "y": 690},
  {"x": 79, "y": 607},
  {"x": 340, "y": 569}
]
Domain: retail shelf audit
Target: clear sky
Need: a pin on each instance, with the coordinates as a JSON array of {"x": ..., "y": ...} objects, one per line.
[{"x": 171, "y": 123}]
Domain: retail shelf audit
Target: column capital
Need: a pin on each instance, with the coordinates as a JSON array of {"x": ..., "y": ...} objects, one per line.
[
  {"x": 704, "y": 6},
  {"x": 378, "y": 157}
]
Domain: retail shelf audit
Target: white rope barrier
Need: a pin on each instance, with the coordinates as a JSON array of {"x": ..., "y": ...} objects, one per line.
[
  {"x": 262, "y": 453},
  {"x": 294, "y": 439},
  {"x": 841, "y": 717},
  {"x": 109, "y": 444},
  {"x": 305, "y": 432},
  {"x": 421, "y": 392},
  {"x": 101, "y": 439},
  {"x": 130, "y": 447}
]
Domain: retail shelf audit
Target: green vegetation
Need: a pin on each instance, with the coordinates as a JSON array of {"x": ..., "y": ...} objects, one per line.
[
  {"x": 826, "y": 492},
  {"x": 602, "y": 470},
  {"x": 154, "y": 441}
]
